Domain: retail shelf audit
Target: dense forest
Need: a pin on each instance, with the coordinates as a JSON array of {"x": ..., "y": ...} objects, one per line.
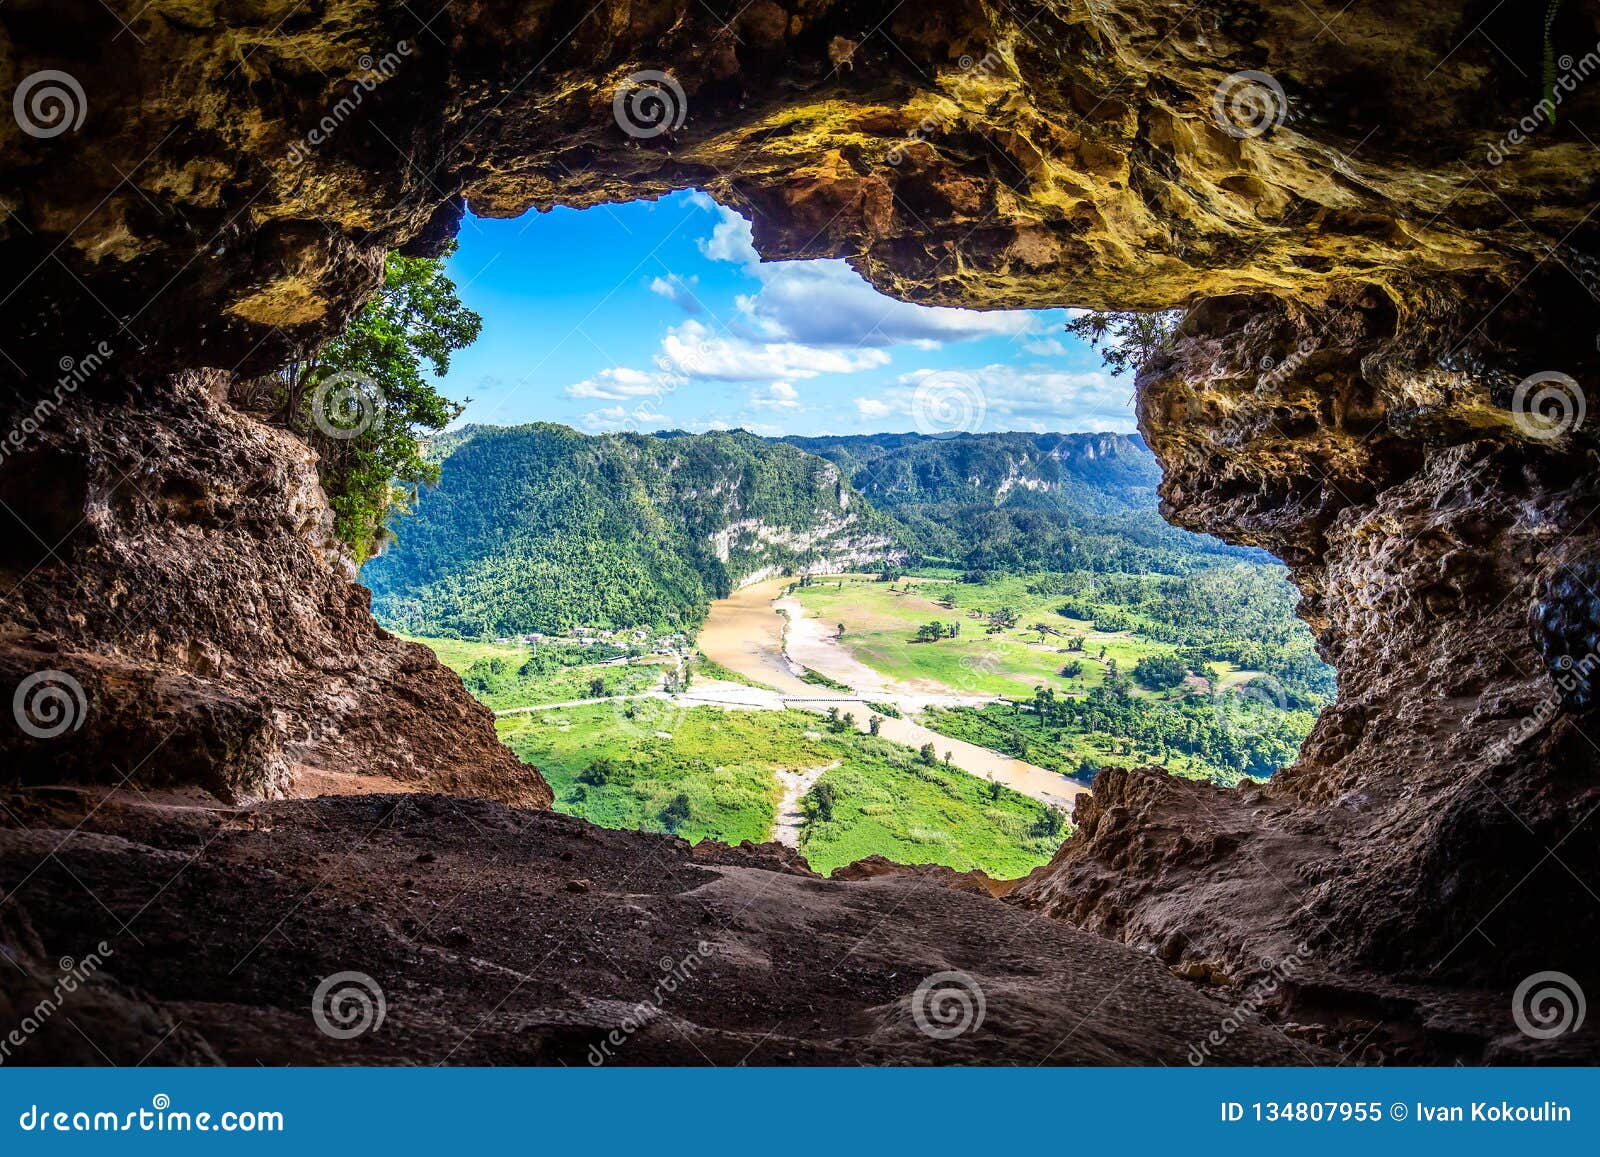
[
  {"x": 1013, "y": 502},
  {"x": 541, "y": 528}
]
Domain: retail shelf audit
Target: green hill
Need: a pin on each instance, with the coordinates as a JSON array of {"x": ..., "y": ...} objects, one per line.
[
  {"x": 541, "y": 528},
  {"x": 1010, "y": 502}
]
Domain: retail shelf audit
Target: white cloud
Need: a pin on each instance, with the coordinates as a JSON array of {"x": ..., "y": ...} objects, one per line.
[
  {"x": 619, "y": 383},
  {"x": 777, "y": 396},
  {"x": 1046, "y": 348},
  {"x": 613, "y": 418},
  {"x": 678, "y": 290},
  {"x": 695, "y": 351},
  {"x": 1003, "y": 397},
  {"x": 826, "y": 303},
  {"x": 731, "y": 240}
]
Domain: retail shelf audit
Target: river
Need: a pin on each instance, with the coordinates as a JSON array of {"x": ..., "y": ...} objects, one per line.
[{"x": 745, "y": 633}]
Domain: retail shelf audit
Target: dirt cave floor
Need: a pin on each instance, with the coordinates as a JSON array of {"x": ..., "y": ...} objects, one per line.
[{"x": 487, "y": 935}]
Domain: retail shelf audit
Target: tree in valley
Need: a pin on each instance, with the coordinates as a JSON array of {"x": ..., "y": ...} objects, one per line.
[
  {"x": 1159, "y": 672},
  {"x": 676, "y": 813},
  {"x": 600, "y": 772},
  {"x": 822, "y": 801}
]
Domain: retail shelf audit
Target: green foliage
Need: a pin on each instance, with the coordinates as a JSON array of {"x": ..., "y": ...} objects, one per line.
[
  {"x": 1126, "y": 341},
  {"x": 1194, "y": 736},
  {"x": 1088, "y": 501},
  {"x": 363, "y": 399},
  {"x": 818, "y": 679},
  {"x": 1159, "y": 672},
  {"x": 887, "y": 803},
  {"x": 715, "y": 779},
  {"x": 540, "y": 528},
  {"x": 506, "y": 677}
]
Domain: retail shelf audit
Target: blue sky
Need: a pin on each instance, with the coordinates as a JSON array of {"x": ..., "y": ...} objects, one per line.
[{"x": 658, "y": 315}]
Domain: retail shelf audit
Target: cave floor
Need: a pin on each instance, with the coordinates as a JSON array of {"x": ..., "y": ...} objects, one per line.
[{"x": 499, "y": 936}]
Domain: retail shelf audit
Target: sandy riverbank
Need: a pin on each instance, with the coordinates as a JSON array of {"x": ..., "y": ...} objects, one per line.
[{"x": 745, "y": 633}]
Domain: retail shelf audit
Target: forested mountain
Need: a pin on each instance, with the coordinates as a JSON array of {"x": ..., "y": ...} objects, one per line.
[
  {"x": 1008, "y": 502},
  {"x": 541, "y": 528}
]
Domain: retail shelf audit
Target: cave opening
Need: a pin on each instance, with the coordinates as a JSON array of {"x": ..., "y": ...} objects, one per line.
[
  {"x": 1381, "y": 379},
  {"x": 933, "y": 526}
]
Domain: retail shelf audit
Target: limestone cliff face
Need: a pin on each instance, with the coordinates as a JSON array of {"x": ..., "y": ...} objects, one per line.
[
  {"x": 175, "y": 561},
  {"x": 1441, "y": 543},
  {"x": 1380, "y": 239}
]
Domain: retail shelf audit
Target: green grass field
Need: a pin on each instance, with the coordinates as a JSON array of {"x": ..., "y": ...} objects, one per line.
[
  {"x": 512, "y": 689},
  {"x": 885, "y": 801},
  {"x": 880, "y": 625},
  {"x": 997, "y": 728},
  {"x": 891, "y": 804}
]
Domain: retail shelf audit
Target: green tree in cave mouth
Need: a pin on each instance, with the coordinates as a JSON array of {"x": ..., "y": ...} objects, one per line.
[
  {"x": 1126, "y": 341},
  {"x": 362, "y": 401}
]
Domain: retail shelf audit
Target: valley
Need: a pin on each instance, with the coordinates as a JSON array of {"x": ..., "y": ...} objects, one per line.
[{"x": 928, "y": 709}]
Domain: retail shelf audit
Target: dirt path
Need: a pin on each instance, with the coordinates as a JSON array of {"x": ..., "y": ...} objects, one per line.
[
  {"x": 746, "y": 634},
  {"x": 790, "y": 817}
]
